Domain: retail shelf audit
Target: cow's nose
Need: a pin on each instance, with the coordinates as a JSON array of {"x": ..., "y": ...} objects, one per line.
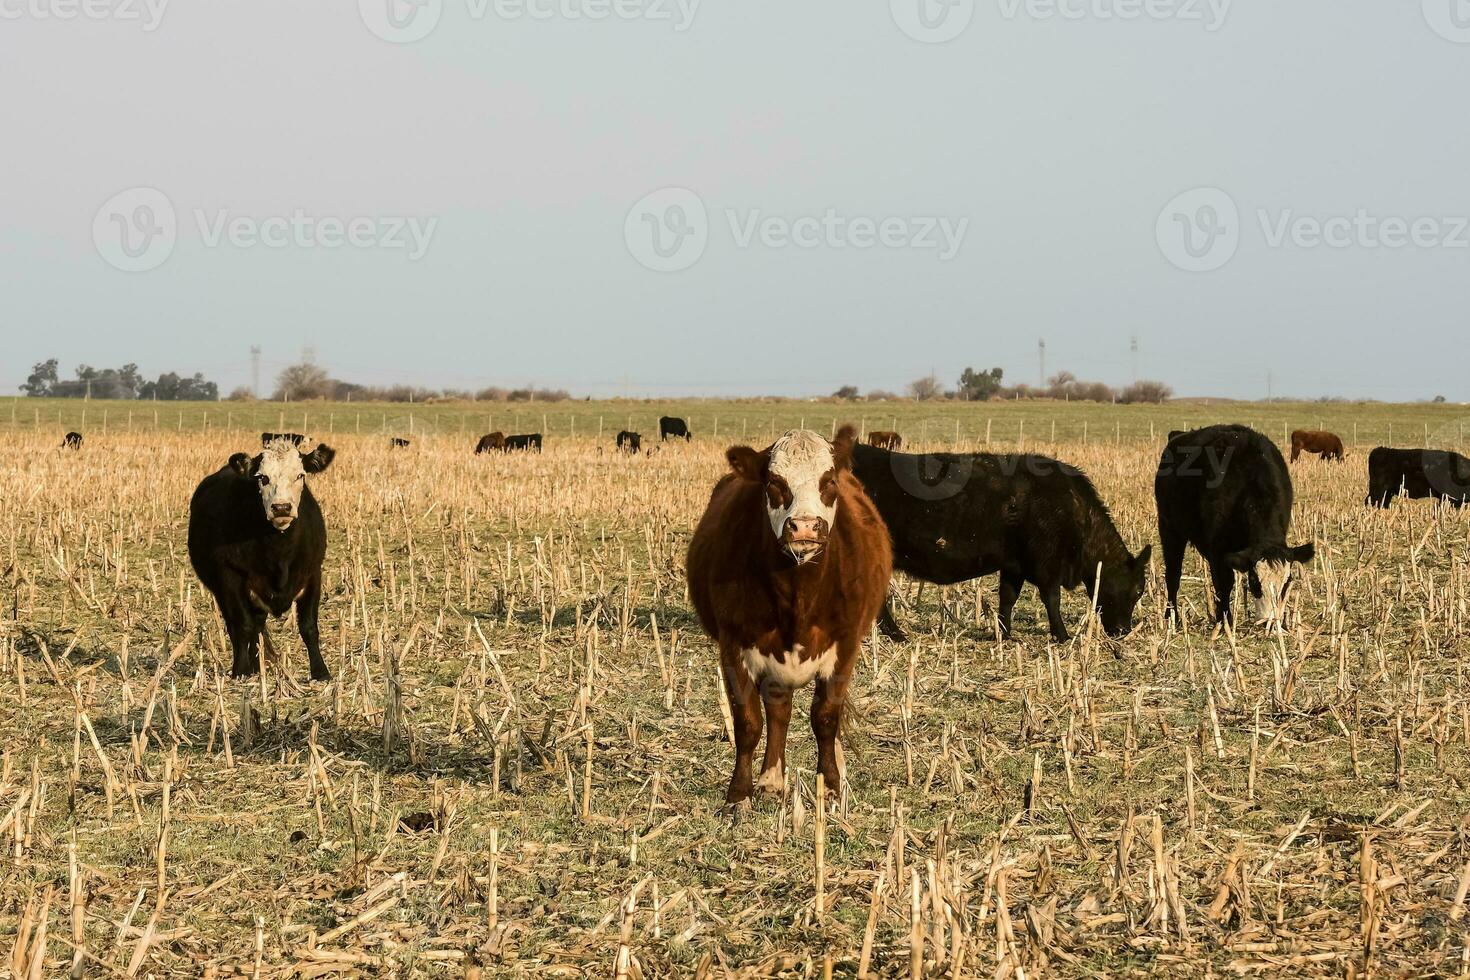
[
  {"x": 280, "y": 510},
  {"x": 806, "y": 528}
]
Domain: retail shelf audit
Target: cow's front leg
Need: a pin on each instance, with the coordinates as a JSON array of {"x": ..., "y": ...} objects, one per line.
[
  {"x": 827, "y": 704},
  {"x": 778, "y": 715},
  {"x": 745, "y": 712}
]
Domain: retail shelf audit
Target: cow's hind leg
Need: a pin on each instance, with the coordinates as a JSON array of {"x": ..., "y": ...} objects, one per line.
[
  {"x": 745, "y": 712},
  {"x": 1010, "y": 588},
  {"x": 1223, "y": 577},
  {"x": 778, "y": 717},
  {"x": 888, "y": 623},
  {"x": 306, "y": 622},
  {"x": 1173, "y": 548}
]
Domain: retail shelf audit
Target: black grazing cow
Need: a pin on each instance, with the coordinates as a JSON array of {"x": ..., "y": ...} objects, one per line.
[
  {"x": 398, "y": 443},
  {"x": 491, "y": 442},
  {"x": 294, "y": 438},
  {"x": 670, "y": 426},
  {"x": 1417, "y": 473},
  {"x": 257, "y": 540},
  {"x": 525, "y": 442},
  {"x": 73, "y": 440},
  {"x": 958, "y": 516},
  {"x": 631, "y": 441},
  {"x": 1225, "y": 489}
]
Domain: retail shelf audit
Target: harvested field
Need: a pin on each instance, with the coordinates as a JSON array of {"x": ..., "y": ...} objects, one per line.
[{"x": 519, "y": 765}]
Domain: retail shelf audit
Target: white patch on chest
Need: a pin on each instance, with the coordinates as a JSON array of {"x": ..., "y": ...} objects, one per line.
[{"x": 793, "y": 672}]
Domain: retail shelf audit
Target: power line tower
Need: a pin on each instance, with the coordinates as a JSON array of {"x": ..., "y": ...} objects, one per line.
[
  {"x": 1041, "y": 356},
  {"x": 255, "y": 370},
  {"x": 308, "y": 354},
  {"x": 1133, "y": 354}
]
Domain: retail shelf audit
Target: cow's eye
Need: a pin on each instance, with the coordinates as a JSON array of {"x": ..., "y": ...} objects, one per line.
[
  {"x": 263, "y": 480},
  {"x": 300, "y": 476}
]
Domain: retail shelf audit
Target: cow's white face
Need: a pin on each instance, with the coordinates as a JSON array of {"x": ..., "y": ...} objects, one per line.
[
  {"x": 799, "y": 472},
  {"x": 1270, "y": 605},
  {"x": 279, "y": 473},
  {"x": 1276, "y": 568}
]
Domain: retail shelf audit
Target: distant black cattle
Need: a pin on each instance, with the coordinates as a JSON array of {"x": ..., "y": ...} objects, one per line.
[
  {"x": 257, "y": 540},
  {"x": 398, "y": 443},
  {"x": 1225, "y": 489},
  {"x": 491, "y": 442},
  {"x": 73, "y": 440},
  {"x": 670, "y": 426},
  {"x": 294, "y": 438},
  {"x": 959, "y": 516},
  {"x": 631, "y": 441},
  {"x": 526, "y": 442},
  {"x": 1417, "y": 473}
]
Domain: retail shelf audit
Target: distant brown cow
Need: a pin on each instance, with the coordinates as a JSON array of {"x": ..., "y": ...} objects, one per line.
[
  {"x": 1324, "y": 444},
  {"x": 787, "y": 570},
  {"x": 493, "y": 442},
  {"x": 884, "y": 439}
]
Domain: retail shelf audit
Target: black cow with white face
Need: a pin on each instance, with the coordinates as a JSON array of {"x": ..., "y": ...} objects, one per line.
[
  {"x": 257, "y": 540},
  {"x": 1225, "y": 489}
]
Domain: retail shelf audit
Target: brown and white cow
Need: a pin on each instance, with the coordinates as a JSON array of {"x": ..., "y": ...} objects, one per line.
[
  {"x": 885, "y": 439},
  {"x": 787, "y": 570}
]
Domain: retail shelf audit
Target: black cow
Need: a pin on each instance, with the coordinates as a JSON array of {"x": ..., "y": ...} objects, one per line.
[
  {"x": 398, "y": 443},
  {"x": 73, "y": 440},
  {"x": 1225, "y": 489},
  {"x": 525, "y": 442},
  {"x": 1417, "y": 473},
  {"x": 631, "y": 441},
  {"x": 958, "y": 516},
  {"x": 294, "y": 438},
  {"x": 670, "y": 426},
  {"x": 257, "y": 540}
]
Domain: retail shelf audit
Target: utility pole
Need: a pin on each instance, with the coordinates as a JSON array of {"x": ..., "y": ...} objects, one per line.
[
  {"x": 1133, "y": 353},
  {"x": 1270, "y": 380},
  {"x": 255, "y": 370},
  {"x": 1041, "y": 354}
]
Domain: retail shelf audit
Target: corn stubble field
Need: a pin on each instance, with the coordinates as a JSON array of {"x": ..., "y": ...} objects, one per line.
[{"x": 520, "y": 764}]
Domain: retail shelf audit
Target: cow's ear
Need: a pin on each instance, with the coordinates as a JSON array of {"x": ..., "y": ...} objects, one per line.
[
  {"x": 842, "y": 447},
  {"x": 242, "y": 464},
  {"x": 747, "y": 464},
  {"x": 1242, "y": 561},
  {"x": 1303, "y": 553},
  {"x": 1140, "y": 561},
  {"x": 318, "y": 459}
]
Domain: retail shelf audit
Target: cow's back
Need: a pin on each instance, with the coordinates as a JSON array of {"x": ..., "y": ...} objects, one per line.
[{"x": 1222, "y": 486}]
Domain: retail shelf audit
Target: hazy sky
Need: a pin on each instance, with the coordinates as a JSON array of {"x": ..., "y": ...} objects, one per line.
[{"x": 829, "y": 146}]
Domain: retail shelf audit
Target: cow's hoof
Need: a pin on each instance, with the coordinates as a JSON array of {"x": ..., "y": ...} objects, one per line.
[
  {"x": 772, "y": 782},
  {"x": 321, "y": 675}
]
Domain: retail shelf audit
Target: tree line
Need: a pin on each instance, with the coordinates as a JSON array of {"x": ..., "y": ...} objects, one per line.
[
  {"x": 122, "y": 383},
  {"x": 986, "y": 385}
]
